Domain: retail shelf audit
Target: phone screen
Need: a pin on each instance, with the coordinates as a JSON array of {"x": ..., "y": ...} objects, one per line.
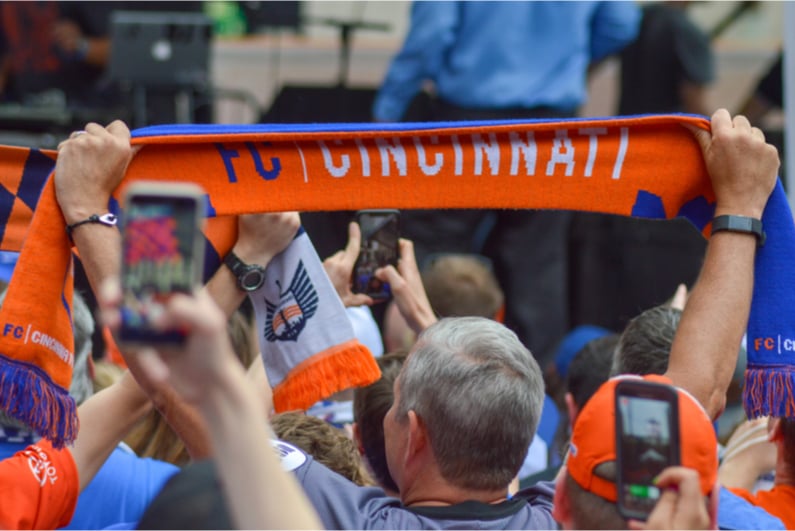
[
  {"x": 380, "y": 232},
  {"x": 648, "y": 442},
  {"x": 162, "y": 254}
]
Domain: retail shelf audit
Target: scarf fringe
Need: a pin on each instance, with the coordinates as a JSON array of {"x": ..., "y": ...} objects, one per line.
[
  {"x": 342, "y": 367},
  {"x": 29, "y": 396},
  {"x": 768, "y": 391}
]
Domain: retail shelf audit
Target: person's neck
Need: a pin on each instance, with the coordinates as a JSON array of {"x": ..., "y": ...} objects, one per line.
[
  {"x": 440, "y": 493},
  {"x": 785, "y": 475}
]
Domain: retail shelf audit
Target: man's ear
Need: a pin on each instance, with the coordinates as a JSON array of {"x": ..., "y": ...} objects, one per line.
[
  {"x": 561, "y": 509},
  {"x": 418, "y": 436},
  {"x": 572, "y": 409},
  {"x": 357, "y": 438},
  {"x": 774, "y": 430}
]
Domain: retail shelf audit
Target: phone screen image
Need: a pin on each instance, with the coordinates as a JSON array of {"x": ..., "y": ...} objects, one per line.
[
  {"x": 648, "y": 442},
  {"x": 161, "y": 255},
  {"x": 380, "y": 231}
]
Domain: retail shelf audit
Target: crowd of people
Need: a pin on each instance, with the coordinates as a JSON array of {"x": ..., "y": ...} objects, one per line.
[{"x": 486, "y": 414}]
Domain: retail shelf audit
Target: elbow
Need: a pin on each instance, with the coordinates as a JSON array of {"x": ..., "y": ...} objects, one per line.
[{"x": 715, "y": 404}]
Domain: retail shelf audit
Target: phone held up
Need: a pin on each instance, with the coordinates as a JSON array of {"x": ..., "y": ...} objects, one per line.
[
  {"x": 380, "y": 232},
  {"x": 647, "y": 442},
  {"x": 162, "y": 254}
]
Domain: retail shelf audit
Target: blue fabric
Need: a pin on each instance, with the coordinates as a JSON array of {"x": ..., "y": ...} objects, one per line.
[
  {"x": 548, "y": 423},
  {"x": 121, "y": 490},
  {"x": 736, "y": 513},
  {"x": 770, "y": 378},
  {"x": 505, "y": 54},
  {"x": 573, "y": 343}
]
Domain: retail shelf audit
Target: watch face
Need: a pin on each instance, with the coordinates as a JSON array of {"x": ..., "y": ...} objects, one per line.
[{"x": 252, "y": 279}]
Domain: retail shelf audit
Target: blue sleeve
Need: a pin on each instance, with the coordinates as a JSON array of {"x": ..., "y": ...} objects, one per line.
[
  {"x": 613, "y": 26},
  {"x": 431, "y": 33}
]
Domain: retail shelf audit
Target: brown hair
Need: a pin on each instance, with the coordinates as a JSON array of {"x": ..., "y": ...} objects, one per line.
[
  {"x": 327, "y": 444},
  {"x": 461, "y": 285},
  {"x": 370, "y": 405}
]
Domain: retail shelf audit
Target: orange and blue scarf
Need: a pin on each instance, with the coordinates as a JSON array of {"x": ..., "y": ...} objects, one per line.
[{"x": 644, "y": 166}]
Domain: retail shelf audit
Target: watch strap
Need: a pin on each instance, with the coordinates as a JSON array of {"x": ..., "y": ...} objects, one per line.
[
  {"x": 742, "y": 224},
  {"x": 242, "y": 271}
]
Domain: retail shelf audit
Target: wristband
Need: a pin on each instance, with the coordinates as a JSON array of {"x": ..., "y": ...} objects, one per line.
[
  {"x": 105, "y": 219},
  {"x": 740, "y": 224}
]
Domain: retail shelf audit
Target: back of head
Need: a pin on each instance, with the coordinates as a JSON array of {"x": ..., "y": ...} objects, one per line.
[
  {"x": 591, "y": 470},
  {"x": 590, "y": 368},
  {"x": 370, "y": 405},
  {"x": 461, "y": 285},
  {"x": 191, "y": 499},
  {"x": 325, "y": 443},
  {"x": 479, "y": 393},
  {"x": 645, "y": 344}
]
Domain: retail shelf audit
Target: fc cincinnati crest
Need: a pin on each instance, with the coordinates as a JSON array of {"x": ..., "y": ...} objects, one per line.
[{"x": 285, "y": 320}]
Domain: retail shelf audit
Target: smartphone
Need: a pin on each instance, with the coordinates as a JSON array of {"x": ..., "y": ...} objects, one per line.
[
  {"x": 162, "y": 254},
  {"x": 380, "y": 232},
  {"x": 647, "y": 442}
]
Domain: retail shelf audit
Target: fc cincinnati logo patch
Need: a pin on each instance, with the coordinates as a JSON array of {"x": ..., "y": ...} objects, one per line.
[{"x": 285, "y": 321}]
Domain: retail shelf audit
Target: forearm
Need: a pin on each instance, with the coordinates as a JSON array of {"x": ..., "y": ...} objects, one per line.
[
  {"x": 100, "y": 252},
  {"x": 105, "y": 419},
  {"x": 737, "y": 474},
  {"x": 222, "y": 287},
  {"x": 249, "y": 469},
  {"x": 704, "y": 351}
]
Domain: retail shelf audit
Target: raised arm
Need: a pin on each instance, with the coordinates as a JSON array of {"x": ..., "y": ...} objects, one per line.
[
  {"x": 260, "y": 237},
  {"x": 743, "y": 169},
  {"x": 208, "y": 375},
  {"x": 408, "y": 290}
]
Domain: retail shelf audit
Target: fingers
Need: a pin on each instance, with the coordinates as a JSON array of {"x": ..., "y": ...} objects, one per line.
[
  {"x": 153, "y": 366},
  {"x": 721, "y": 120},
  {"x": 358, "y": 299},
  {"x": 109, "y": 299},
  {"x": 389, "y": 274},
  {"x": 119, "y": 128},
  {"x": 351, "y": 252},
  {"x": 703, "y": 136},
  {"x": 686, "y": 479},
  {"x": 681, "y": 505},
  {"x": 680, "y": 298},
  {"x": 95, "y": 129},
  {"x": 741, "y": 122}
]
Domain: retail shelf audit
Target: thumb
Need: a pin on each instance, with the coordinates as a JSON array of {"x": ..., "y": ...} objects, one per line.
[{"x": 703, "y": 137}]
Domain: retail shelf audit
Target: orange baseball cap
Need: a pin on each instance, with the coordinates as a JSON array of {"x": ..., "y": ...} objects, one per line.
[{"x": 593, "y": 440}]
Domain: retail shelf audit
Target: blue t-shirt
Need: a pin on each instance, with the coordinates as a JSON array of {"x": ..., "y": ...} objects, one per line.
[
  {"x": 737, "y": 513},
  {"x": 121, "y": 490}
]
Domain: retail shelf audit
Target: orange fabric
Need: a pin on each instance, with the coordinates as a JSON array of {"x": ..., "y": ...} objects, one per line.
[
  {"x": 39, "y": 488},
  {"x": 778, "y": 501},
  {"x": 599, "y": 165},
  {"x": 321, "y": 374},
  {"x": 593, "y": 440}
]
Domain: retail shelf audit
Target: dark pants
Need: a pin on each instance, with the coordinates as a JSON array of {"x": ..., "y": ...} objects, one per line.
[{"x": 528, "y": 248}]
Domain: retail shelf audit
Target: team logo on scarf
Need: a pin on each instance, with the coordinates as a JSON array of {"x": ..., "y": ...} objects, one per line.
[{"x": 285, "y": 321}]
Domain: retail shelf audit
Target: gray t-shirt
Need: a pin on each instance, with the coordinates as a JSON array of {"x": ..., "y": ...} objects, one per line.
[{"x": 342, "y": 504}]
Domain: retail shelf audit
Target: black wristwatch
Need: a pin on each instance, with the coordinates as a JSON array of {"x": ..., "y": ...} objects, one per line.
[{"x": 250, "y": 277}]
